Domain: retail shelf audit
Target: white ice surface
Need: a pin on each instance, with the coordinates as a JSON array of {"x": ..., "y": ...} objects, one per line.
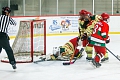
[{"x": 54, "y": 70}]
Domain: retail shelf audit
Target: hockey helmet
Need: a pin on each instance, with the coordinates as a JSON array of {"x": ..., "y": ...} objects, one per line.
[
  {"x": 87, "y": 16},
  {"x": 105, "y": 16},
  {"x": 6, "y": 9},
  {"x": 82, "y": 12},
  {"x": 87, "y": 13}
]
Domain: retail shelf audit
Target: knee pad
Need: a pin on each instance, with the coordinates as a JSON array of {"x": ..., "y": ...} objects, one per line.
[
  {"x": 106, "y": 55},
  {"x": 89, "y": 50}
]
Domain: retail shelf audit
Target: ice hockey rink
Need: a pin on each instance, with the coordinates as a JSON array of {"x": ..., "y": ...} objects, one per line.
[{"x": 54, "y": 70}]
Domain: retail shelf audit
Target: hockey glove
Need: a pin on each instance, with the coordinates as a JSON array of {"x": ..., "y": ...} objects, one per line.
[
  {"x": 84, "y": 36},
  {"x": 108, "y": 40}
]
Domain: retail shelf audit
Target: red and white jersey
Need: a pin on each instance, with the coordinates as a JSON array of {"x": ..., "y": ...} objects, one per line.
[{"x": 100, "y": 34}]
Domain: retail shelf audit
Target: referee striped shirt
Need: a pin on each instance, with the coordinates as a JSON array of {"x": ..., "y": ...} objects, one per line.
[{"x": 4, "y": 23}]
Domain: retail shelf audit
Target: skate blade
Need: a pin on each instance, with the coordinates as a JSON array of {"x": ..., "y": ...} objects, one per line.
[
  {"x": 105, "y": 61},
  {"x": 35, "y": 62},
  {"x": 89, "y": 60},
  {"x": 92, "y": 65}
]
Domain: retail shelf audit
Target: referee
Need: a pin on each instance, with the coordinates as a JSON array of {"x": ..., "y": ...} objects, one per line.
[{"x": 5, "y": 20}]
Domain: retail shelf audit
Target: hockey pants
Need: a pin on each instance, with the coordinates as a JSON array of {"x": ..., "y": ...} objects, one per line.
[{"x": 4, "y": 43}]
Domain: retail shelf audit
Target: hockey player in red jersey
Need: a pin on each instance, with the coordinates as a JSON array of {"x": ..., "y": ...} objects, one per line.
[
  {"x": 69, "y": 49},
  {"x": 99, "y": 38}
]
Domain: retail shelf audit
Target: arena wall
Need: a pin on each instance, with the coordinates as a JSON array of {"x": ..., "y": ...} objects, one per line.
[{"x": 61, "y": 28}]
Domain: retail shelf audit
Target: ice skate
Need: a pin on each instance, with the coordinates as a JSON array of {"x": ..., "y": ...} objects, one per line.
[
  {"x": 105, "y": 60},
  {"x": 40, "y": 60},
  {"x": 14, "y": 67},
  {"x": 89, "y": 59},
  {"x": 95, "y": 64}
]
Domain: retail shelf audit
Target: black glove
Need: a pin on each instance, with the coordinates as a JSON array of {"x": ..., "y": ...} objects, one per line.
[
  {"x": 84, "y": 36},
  {"x": 107, "y": 41}
]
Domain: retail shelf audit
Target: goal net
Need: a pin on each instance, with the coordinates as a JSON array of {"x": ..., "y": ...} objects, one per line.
[{"x": 30, "y": 42}]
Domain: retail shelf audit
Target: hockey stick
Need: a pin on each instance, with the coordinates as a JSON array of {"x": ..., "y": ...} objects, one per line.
[
  {"x": 68, "y": 63},
  {"x": 113, "y": 54},
  {"x": 43, "y": 59}
]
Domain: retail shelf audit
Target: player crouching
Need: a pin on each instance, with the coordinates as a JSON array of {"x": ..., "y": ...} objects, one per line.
[{"x": 68, "y": 51}]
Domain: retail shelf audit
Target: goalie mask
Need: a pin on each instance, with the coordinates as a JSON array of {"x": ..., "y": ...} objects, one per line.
[{"x": 56, "y": 51}]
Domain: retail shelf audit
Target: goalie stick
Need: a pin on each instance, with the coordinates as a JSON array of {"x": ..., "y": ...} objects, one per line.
[
  {"x": 44, "y": 59},
  {"x": 113, "y": 54},
  {"x": 41, "y": 60},
  {"x": 68, "y": 63}
]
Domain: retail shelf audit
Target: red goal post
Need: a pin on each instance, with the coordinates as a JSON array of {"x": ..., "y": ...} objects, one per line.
[{"x": 30, "y": 41}]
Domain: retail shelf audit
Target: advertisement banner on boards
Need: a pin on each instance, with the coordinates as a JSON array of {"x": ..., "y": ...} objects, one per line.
[{"x": 62, "y": 24}]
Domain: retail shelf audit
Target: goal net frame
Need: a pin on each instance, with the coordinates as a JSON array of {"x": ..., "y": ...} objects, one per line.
[{"x": 23, "y": 56}]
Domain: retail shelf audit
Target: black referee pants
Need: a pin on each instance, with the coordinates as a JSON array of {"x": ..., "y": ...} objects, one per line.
[{"x": 4, "y": 43}]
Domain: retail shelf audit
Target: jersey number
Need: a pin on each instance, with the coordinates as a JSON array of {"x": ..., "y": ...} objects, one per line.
[{"x": 95, "y": 29}]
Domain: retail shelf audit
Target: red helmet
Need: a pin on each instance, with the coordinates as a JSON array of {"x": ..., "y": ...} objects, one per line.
[
  {"x": 89, "y": 13},
  {"x": 82, "y": 12},
  {"x": 105, "y": 16}
]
